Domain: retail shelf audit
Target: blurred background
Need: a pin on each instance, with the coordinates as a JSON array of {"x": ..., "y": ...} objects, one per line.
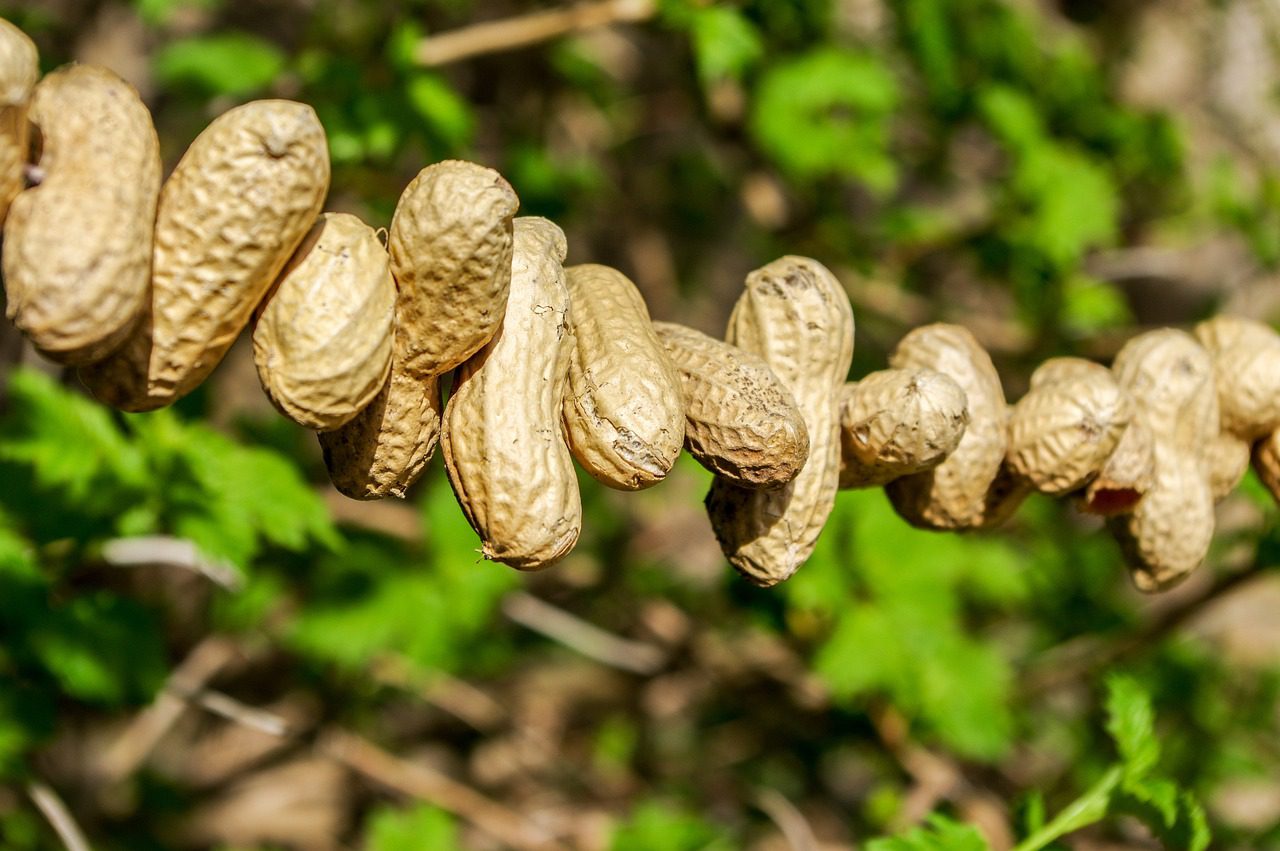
[{"x": 202, "y": 645}]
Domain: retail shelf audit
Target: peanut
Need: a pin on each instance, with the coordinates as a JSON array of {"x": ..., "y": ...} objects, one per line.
[
  {"x": 450, "y": 245},
  {"x": 503, "y": 439},
  {"x": 322, "y": 341},
  {"x": 1246, "y": 361},
  {"x": 1127, "y": 474},
  {"x": 1170, "y": 378},
  {"x": 958, "y": 493},
  {"x": 240, "y": 200},
  {"x": 794, "y": 314},
  {"x": 897, "y": 422},
  {"x": 19, "y": 70},
  {"x": 1266, "y": 462},
  {"x": 741, "y": 422},
  {"x": 623, "y": 411},
  {"x": 386, "y": 446},
  {"x": 1067, "y": 426},
  {"x": 77, "y": 247}
]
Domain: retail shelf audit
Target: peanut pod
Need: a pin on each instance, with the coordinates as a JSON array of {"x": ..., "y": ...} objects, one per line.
[
  {"x": 450, "y": 245},
  {"x": 959, "y": 492},
  {"x": 384, "y": 448},
  {"x": 503, "y": 439},
  {"x": 19, "y": 70},
  {"x": 795, "y": 315},
  {"x": 77, "y": 247},
  {"x": 897, "y": 422},
  {"x": 1126, "y": 475},
  {"x": 236, "y": 206},
  {"x": 741, "y": 422},
  {"x": 322, "y": 342},
  {"x": 623, "y": 410}
]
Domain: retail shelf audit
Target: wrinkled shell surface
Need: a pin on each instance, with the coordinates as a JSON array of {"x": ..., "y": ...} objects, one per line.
[
  {"x": 896, "y": 422},
  {"x": 1222, "y": 332},
  {"x": 77, "y": 247},
  {"x": 1227, "y": 460},
  {"x": 450, "y": 245},
  {"x": 503, "y": 439},
  {"x": 19, "y": 70},
  {"x": 239, "y": 202},
  {"x": 796, "y": 316},
  {"x": 322, "y": 342},
  {"x": 1170, "y": 378},
  {"x": 741, "y": 422},
  {"x": 1062, "y": 432},
  {"x": 957, "y": 494},
  {"x": 1248, "y": 381},
  {"x": 384, "y": 448},
  {"x": 623, "y": 411},
  {"x": 1063, "y": 369},
  {"x": 1127, "y": 474}
]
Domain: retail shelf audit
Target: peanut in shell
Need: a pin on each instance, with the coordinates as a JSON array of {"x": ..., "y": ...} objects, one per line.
[
  {"x": 1127, "y": 474},
  {"x": 503, "y": 439},
  {"x": 77, "y": 247},
  {"x": 741, "y": 421},
  {"x": 450, "y": 246},
  {"x": 236, "y": 206},
  {"x": 897, "y": 422},
  {"x": 623, "y": 409},
  {"x": 322, "y": 341},
  {"x": 795, "y": 315},
  {"x": 958, "y": 493},
  {"x": 19, "y": 70},
  {"x": 384, "y": 449}
]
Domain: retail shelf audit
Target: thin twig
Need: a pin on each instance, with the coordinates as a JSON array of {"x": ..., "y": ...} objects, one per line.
[
  {"x": 52, "y": 807},
  {"x": 1074, "y": 661},
  {"x": 170, "y": 552},
  {"x": 586, "y": 638},
  {"x": 524, "y": 30},
  {"x": 794, "y": 826},
  {"x": 419, "y": 781},
  {"x": 139, "y": 739},
  {"x": 226, "y": 706},
  {"x": 457, "y": 697}
]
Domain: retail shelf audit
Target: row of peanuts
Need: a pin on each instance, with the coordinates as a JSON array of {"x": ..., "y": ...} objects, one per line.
[{"x": 144, "y": 284}]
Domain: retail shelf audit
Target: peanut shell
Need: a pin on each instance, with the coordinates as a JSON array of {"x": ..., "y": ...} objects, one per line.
[
  {"x": 623, "y": 411},
  {"x": 1227, "y": 460},
  {"x": 958, "y": 493},
  {"x": 322, "y": 342},
  {"x": 77, "y": 247},
  {"x": 450, "y": 245},
  {"x": 236, "y": 206},
  {"x": 1127, "y": 474},
  {"x": 503, "y": 439},
  {"x": 741, "y": 422},
  {"x": 19, "y": 70},
  {"x": 1266, "y": 463},
  {"x": 795, "y": 315},
  {"x": 386, "y": 446},
  {"x": 896, "y": 422}
]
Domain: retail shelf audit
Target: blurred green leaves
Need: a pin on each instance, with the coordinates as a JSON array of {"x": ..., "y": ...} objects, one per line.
[
  {"x": 226, "y": 63},
  {"x": 411, "y": 829}
]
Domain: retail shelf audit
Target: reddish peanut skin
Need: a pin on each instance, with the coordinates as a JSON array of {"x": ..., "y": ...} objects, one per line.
[{"x": 741, "y": 421}]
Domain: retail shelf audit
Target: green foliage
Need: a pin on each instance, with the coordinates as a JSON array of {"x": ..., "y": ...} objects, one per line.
[
  {"x": 410, "y": 830},
  {"x": 942, "y": 834},
  {"x": 657, "y": 826},
  {"x": 225, "y": 64}
]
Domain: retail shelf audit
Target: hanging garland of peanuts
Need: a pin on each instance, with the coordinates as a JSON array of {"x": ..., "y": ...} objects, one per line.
[{"x": 553, "y": 365}]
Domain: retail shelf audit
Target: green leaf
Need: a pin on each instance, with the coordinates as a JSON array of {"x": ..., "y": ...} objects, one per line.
[
  {"x": 725, "y": 44},
  {"x": 226, "y": 63},
  {"x": 1131, "y": 723},
  {"x": 1090, "y": 807},
  {"x": 942, "y": 834},
  {"x": 826, "y": 113},
  {"x": 656, "y": 826},
  {"x": 1090, "y": 306},
  {"x": 439, "y": 106},
  {"x": 411, "y": 829}
]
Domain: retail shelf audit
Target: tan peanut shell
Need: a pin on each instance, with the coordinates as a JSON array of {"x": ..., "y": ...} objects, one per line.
[
  {"x": 1066, "y": 427},
  {"x": 1062, "y": 369},
  {"x": 322, "y": 342},
  {"x": 19, "y": 70},
  {"x": 384, "y": 448},
  {"x": 1224, "y": 331},
  {"x": 503, "y": 438},
  {"x": 896, "y": 422},
  {"x": 1170, "y": 377},
  {"x": 795, "y": 315},
  {"x": 1227, "y": 461},
  {"x": 77, "y": 247},
  {"x": 236, "y": 206},
  {"x": 1127, "y": 474},
  {"x": 623, "y": 409},
  {"x": 958, "y": 493},
  {"x": 450, "y": 245},
  {"x": 741, "y": 422}
]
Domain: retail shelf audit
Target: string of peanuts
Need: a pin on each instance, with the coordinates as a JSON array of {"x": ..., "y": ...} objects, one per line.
[{"x": 552, "y": 365}]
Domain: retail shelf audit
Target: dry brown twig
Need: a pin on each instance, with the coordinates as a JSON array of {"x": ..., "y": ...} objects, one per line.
[
  {"x": 52, "y": 807},
  {"x": 795, "y": 828},
  {"x": 524, "y": 30},
  {"x": 584, "y": 637}
]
